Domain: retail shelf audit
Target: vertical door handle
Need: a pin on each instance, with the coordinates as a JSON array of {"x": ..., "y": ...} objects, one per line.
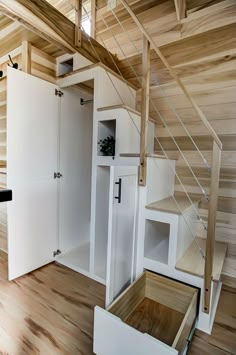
[{"x": 119, "y": 190}]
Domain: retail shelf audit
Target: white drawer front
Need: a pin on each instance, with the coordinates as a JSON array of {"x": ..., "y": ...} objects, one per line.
[{"x": 114, "y": 337}]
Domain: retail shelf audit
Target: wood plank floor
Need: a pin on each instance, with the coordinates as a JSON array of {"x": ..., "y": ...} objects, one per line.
[
  {"x": 50, "y": 312},
  {"x": 222, "y": 340},
  {"x": 3, "y": 266}
]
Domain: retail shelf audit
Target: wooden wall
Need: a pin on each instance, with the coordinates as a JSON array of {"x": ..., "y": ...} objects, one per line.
[{"x": 43, "y": 66}]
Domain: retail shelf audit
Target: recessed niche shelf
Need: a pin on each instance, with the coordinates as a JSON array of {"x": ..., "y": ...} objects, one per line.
[
  {"x": 105, "y": 129},
  {"x": 66, "y": 67},
  {"x": 156, "y": 245}
]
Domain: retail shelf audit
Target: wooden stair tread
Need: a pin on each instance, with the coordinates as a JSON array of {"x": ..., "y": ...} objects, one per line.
[
  {"x": 137, "y": 155},
  {"x": 170, "y": 205},
  {"x": 192, "y": 261},
  {"x": 125, "y": 107}
]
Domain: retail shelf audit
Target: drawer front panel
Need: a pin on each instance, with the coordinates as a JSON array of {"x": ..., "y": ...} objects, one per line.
[{"x": 114, "y": 337}]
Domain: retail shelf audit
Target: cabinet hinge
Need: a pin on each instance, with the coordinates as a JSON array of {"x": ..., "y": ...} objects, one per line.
[
  {"x": 56, "y": 252},
  {"x": 57, "y": 175},
  {"x": 58, "y": 93}
]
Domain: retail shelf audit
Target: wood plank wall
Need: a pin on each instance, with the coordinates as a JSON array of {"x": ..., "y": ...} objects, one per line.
[
  {"x": 43, "y": 66},
  {"x": 4, "y": 60}
]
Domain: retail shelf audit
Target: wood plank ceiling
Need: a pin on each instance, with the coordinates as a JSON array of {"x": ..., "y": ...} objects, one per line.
[{"x": 13, "y": 34}]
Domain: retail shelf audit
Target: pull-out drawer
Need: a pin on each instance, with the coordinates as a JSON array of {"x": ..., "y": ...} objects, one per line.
[{"x": 153, "y": 316}]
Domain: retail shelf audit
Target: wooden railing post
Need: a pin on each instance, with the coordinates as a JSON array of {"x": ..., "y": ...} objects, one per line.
[
  {"x": 78, "y": 19},
  {"x": 144, "y": 110},
  {"x": 26, "y": 57},
  {"x": 212, "y": 210}
]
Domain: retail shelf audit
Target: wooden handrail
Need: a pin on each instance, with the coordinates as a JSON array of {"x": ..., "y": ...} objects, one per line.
[
  {"x": 175, "y": 76},
  {"x": 212, "y": 210}
]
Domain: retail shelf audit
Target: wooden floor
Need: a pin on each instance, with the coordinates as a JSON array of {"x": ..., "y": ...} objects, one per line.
[
  {"x": 222, "y": 340},
  {"x": 3, "y": 266},
  {"x": 50, "y": 312}
]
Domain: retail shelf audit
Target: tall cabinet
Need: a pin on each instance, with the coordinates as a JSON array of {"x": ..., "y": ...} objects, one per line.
[{"x": 70, "y": 203}]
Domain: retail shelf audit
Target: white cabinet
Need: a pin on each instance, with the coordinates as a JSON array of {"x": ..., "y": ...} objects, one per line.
[{"x": 78, "y": 214}]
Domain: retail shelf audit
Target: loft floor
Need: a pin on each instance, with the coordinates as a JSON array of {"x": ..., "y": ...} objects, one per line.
[{"x": 50, "y": 311}]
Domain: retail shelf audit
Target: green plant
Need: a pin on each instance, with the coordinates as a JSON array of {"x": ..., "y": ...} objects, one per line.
[{"x": 107, "y": 146}]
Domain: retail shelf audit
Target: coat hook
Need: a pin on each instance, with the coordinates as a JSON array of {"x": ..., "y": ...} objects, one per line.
[{"x": 14, "y": 65}]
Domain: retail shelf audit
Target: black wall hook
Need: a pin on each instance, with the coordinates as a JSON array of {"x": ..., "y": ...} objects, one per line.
[{"x": 14, "y": 65}]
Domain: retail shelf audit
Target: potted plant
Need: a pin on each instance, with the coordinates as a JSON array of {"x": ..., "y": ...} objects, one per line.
[{"x": 107, "y": 146}]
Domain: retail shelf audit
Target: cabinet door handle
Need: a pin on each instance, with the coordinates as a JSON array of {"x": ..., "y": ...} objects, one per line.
[{"x": 119, "y": 190}]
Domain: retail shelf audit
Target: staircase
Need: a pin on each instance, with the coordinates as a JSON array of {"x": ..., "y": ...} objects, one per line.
[{"x": 167, "y": 235}]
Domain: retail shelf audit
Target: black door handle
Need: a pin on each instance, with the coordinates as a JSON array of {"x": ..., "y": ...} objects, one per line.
[{"x": 119, "y": 191}]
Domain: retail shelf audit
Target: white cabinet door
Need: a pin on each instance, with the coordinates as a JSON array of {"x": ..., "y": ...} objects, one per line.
[
  {"x": 32, "y": 121},
  {"x": 121, "y": 235}
]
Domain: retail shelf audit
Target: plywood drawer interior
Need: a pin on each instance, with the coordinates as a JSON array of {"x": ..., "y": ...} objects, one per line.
[{"x": 160, "y": 307}]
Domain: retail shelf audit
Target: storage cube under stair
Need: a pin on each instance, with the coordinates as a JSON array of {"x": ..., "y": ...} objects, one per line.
[{"x": 156, "y": 243}]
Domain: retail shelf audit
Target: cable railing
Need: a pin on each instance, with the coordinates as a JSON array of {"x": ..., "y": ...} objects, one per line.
[{"x": 157, "y": 83}]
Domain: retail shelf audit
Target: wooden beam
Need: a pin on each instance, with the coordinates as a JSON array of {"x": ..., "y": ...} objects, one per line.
[
  {"x": 212, "y": 210},
  {"x": 26, "y": 57},
  {"x": 78, "y": 18},
  {"x": 144, "y": 110},
  {"x": 47, "y": 22},
  {"x": 175, "y": 76},
  {"x": 180, "y": 7}
]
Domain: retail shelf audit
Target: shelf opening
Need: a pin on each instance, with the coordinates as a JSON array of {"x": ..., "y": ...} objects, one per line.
[
  {"x": 106, "y": 129},
  {"x": 156, "y": 246}
]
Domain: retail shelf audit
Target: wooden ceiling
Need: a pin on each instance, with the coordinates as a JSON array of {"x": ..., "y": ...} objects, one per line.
[
  {"x": 209, "y": 28},
  {"x": 160, "y": 20},
  {"x": 198, "y": 35},
  {"x": 12, "y": 34}
]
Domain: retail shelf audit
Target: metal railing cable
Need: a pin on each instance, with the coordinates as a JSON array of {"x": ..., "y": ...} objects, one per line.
[{"x": 192, "y": 203}]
